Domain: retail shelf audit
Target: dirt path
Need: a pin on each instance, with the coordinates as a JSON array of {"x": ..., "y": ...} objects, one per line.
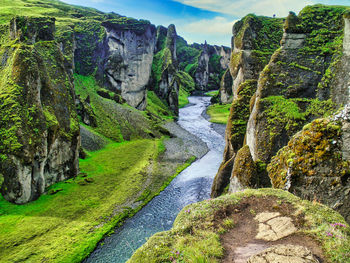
[{"x": 268, "y": 227}]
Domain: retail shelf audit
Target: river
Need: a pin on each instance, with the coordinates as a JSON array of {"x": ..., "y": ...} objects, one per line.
[{"x": 191, "y": 185}]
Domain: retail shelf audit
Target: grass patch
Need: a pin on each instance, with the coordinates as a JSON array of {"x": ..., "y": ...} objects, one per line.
[
  {"x": 212, "y": 93},
  {"x": 183, "y": 97},
  {"x": 157, "y": 107},
  {"x": 66, "y": 226},
  {"x": 219, "y": 113}
]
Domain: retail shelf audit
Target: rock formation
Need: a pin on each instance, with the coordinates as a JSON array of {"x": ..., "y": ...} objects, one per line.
[
  {"x": 164, "y": 68},
  {"x": 315, "y": 164},
  {"x": 129, "y": 57},
  {"x": 225, "y": 91},
  {"x": 306, "y": 78},
  {"x": 118, "y": 52},
  {"x": 205, "y": 63},
  {"x": 38, "y": 124},
  {"x": 250, "y": 53}
]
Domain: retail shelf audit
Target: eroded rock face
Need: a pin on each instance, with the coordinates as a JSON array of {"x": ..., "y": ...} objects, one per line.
[
  {"x": 245, "y": 65},
  {"x": 293, "y": 89},
  {"x": 39, "y": 127},
  {"x": 201, "y": 76},
  {"x": 129, "y": 60},
  {"x": 164, "y": 80},
  {"x": 226, "y": 88},
  {"x": 315, "y": 164},
  {"x": 284, "y": 253}
]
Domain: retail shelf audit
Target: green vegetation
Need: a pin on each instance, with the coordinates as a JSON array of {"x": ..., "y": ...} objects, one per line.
[
  {"x": 289, "y": 112},
  {"x": 183, "y": 97},
  {"x": 186, "y": 86},
  {"x": 219, "y": 113},
  {"x": 264, "y": 26},
  {"x": 83, "y": 209},
  {"x": 195, "y": 236},
  {"x": 157, "y": 107},
  {"x": 212, "y": 93},
  {"x": 107, "y": 124},
  {"x": 187, "y": 55}
]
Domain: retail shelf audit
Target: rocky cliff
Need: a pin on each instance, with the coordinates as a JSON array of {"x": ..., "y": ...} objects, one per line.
[
  {"x": 205, "y": 63},
  {"x": 130, "y": 45},
  {"x": 118, "y": 51},
  {"x": 164, "y": 68},
  {"x": 254, "y": 40},
  {"x": 38, "y": 125},
  {"x": 306, "y": 78}
]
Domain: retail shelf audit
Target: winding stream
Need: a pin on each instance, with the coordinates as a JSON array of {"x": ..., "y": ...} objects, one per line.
[{"x": 191, "y": 185}]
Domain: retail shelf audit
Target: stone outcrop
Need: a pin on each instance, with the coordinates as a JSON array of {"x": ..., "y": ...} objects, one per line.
[
  {"x": 315, "y": 164},
  {"x": 38, "y": 124},
  {"x": 201, "y": 76},
  {"x": 226, "y": 88},
  {"x": 129, "y": 59},
  {"x": 248, "y": 58},
  {"x": 305, "y": 79},
  {"x": 119, "y": 53},
  {"x": 284, "y": 253},
  {"x": 205, "y": 63},
  {"x": 287, "y": 229},
  {"x": 164, "y": 69}
]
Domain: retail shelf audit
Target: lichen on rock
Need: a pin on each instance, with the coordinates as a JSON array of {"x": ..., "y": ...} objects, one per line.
[{"x": 39, "y": 127}]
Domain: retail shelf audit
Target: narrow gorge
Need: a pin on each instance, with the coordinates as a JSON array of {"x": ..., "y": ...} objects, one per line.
[{"x": 123, "y": 141}]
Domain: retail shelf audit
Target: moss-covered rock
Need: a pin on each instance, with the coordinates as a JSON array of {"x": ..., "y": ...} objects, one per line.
[
  {"x": 255, "y": 39},
  {"x": 288, "y": 86},
  {"x": 197, "y": 231},
  {"x": 315, "y": 165},
  {"x": 39, "y": 126},
  {"x": 226, "y": 87},
  {"x": 164, "y": 68}
]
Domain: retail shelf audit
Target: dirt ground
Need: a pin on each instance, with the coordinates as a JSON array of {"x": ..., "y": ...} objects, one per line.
[{"x": 240, "y": 242}]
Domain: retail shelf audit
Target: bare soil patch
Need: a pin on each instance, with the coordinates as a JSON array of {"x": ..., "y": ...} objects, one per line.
[{"x": 240, "y": 242}]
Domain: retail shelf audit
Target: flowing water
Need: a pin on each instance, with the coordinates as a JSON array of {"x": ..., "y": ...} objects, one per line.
[{"x": 191, "y": 185}]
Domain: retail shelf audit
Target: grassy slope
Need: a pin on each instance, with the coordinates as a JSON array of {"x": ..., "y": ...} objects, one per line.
[
  {"x": 63, "y": 13},
  {"x": 219, "y": 113},
  {"x": 183, "y": 97},
  {"x": 157, "y": 107},
  {"x": 64, "y": 227}
]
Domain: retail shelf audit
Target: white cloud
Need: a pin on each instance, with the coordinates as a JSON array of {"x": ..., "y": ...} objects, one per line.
[
  {"x": 216, "y": 26},
  {"x": 217, "y": 31},
  {"x": 241, "y": 8}
]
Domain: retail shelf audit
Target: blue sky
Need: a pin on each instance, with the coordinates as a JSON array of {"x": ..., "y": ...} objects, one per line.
[{"x": 200, "y": 20}]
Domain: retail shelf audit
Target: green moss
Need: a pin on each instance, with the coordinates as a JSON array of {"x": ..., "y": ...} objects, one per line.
[
  {"x": 157, "y": 107},
  {"x": 219, "y": 113},
  {"x": 239, "y": 113},
  {"x": 212, "y": 93},
  {"x": 106, "y": 125},
  {"x": 269, "y": 32},
  {"x": 161, "y": 62},
  {"x": 183, "y": 97},
  {"x": 292, "y": 113},
  {"x": 187, "y": 55}
]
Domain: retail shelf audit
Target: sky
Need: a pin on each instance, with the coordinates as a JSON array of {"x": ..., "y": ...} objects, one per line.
[{"x": 201, "y": 20}]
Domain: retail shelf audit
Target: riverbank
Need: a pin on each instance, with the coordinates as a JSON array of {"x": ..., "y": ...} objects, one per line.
[
  {"x": 219, "y": 128},
  {"x": 191, "y": 185},
  {"x": 116, "y": 181}
]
